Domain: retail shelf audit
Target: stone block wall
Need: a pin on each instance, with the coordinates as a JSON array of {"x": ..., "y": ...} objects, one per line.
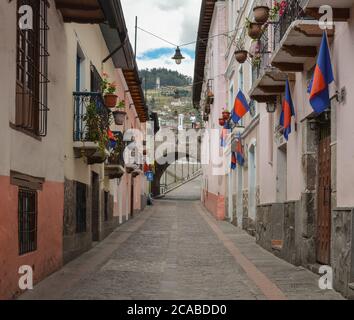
[{"x": 342, "y": 247}]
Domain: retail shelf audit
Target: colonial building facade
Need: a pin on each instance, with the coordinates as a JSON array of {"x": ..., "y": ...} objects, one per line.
[
  {"x": 295, "y": 196},
  {"x": 62, "y": 187}
]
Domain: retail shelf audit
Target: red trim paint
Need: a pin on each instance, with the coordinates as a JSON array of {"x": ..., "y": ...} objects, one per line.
[
  {"x": 49, "y": 255},
  {"x": 215, "y": 204}
]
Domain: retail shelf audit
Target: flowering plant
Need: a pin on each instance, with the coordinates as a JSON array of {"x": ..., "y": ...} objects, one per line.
[
  {"x": 278, "y": 9},
  {"x": 108, "y": 87}
]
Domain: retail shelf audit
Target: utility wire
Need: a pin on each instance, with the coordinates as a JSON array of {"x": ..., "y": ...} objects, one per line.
[
  {"x": 158, "y": 37},
  {"x": 192, "y": 42}
]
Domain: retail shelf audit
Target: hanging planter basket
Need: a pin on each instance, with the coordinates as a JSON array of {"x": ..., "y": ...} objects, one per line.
[
  {"x": 110, "y": 100},
  {"x": 255, "y": 30},
  {"x": 226, "y": 115},
  {"x": 221, "y": 122},
  {"x": 241, "y": 56},
  {"x": 119, "y": 117},
  {"x": 261, "y": 14}
]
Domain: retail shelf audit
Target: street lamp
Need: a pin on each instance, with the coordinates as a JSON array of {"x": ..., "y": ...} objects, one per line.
[{"x": 178, "y": 56}]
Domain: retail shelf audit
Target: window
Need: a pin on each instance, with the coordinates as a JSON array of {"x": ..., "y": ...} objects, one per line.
[
  {"x": 80, "y": 207},
  {"x": 27, "y": 221},
  {"x": 32, "y": 71},
  {"x": 106, "y": 204}
]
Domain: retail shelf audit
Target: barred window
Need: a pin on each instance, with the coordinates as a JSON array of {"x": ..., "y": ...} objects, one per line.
[
  {"x": 32, "y": 70},
  {"x": 80, "y": 207},
  {"x": 27, "y": 221}
]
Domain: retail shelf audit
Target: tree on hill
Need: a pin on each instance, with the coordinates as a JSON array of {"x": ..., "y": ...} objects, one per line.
[{"x": 167, "y": 78}]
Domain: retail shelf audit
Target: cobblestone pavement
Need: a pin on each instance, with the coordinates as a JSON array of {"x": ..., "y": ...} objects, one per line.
[{"x": 176, "y": 250}]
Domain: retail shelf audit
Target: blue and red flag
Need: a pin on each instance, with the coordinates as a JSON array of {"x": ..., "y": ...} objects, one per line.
[
  {"x": 322, "y": 78},
  {"x": 241, "y": 107},
  {"x": 288, "y": 111},
  {"x": 239, "y": 152},
  {"x": 224, "y": 133},
  {"x": 233, "y": 160}
]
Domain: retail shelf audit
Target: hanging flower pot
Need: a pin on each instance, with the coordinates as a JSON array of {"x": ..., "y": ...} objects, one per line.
[
  {"x": 119, "y": 117},
  {"x": 226, "y": 115},
  {"x": 261, "y": 14},
  {"x": 221, "y": 122},
  {"x": 241, "y": 56},
  {"x": 110, "y": 100},
  {"x": 255, "y": 30}
]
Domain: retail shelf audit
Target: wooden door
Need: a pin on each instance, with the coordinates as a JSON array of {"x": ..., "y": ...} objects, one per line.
[{"x": 324, "y": 197}]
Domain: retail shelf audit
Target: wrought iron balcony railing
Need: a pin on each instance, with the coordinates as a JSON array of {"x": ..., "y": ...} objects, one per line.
[
  {"x": 90, "y": 116},
  {"x": 293, "y": 11},
  {"x": 264, "y": 56}
]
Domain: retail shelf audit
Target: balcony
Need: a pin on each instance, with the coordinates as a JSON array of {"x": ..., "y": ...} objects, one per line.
[
  {"x": 114, "y": 165},
  {"x": 296, "y": 38},
  {"x": 91, "y": 121},
  {"x": 268, "y": 81},
  {"x": 81, "y": 11}
]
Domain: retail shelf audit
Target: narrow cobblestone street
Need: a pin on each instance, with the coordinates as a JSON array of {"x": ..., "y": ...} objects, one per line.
[{"x": 176, "y": 250}]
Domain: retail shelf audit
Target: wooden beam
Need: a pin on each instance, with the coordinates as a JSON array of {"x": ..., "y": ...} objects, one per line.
[
  {"x": 272, "y": 89},
  {"x": 301, "y": 51},
  {"x": 264, "y": 99},
  {"x": 339, "y": 14},
  {"x": 288, "y": 66}
]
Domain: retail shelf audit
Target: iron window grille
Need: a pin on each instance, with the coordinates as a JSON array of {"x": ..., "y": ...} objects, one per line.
[
  {"x": 81, "y": 198},
  {"x": 27, "y": 221},
  {"x": 32, "y": 70}
]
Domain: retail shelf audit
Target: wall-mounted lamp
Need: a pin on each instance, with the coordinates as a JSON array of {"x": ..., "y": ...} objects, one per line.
[{"x": 271, "y": 107}]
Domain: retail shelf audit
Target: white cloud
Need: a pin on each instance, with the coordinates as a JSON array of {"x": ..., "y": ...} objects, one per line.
[{"x": 175, "y": 21}]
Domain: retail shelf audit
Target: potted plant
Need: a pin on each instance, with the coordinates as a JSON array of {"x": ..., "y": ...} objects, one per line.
[
  {"x": 261, "y": 13},
  {"x": 240, "y": 52},
  {"x": 256, "y": 61},
  {"x": 120, "y": 114},
  {"x": 277, "y": 10},
  {"x": 94, "y": 125},
  {"x": 221, "y": 122},
  {"x": 226, "y": 115},
  {"x": 255, "y": 29},
  {"x": 109, "y": 92}
]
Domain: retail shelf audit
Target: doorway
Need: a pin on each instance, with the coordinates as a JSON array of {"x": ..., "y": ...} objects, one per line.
[
  {"x": 95, "y": 183},
  {"x": 252, "y": 182},
  {"x": 323, "y": 238},
  {"x": 281, "y": 182}
]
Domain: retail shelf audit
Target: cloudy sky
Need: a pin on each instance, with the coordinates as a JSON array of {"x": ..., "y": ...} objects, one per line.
[{"x": 173, "y": 20}]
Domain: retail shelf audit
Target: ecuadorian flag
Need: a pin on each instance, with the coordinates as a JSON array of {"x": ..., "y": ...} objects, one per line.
[
  {"x": 241, "y": 107},
  {"x": 322, "y": 78},
  {"x": 288, "y": 111},
  {"x": 233, "y": 160}
]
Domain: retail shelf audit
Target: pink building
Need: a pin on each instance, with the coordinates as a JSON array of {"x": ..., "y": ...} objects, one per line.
[
  {"x": 60, "y": 191},
  {"x": 296, "y": 196}
]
